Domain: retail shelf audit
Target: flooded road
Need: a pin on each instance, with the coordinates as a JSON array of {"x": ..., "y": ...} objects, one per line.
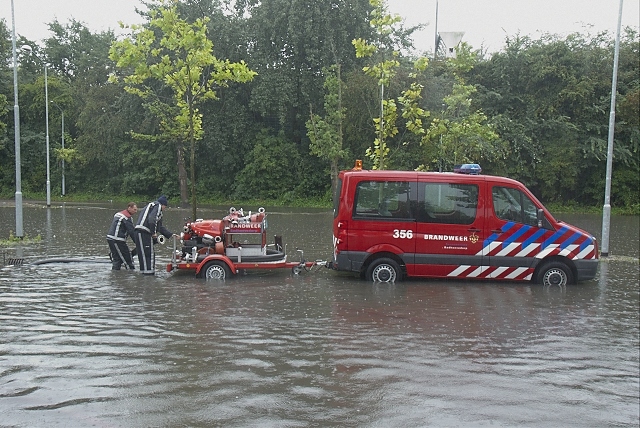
[{"x": 81, "y": 345}]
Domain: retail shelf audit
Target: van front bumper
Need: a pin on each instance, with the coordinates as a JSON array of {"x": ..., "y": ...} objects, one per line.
[{"x": 586, "y": 269}]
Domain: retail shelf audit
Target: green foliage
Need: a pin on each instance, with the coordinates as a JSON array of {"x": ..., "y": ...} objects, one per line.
[
  {"x": 289, "y": 43},
  {"x": 461, "y": 133},
  {"x": 14, "y": 240},
  {"x": 383, "y": 70},
  {"x": 178, "y": 55},
  {"x": 548, "y": 100},
  {"x": 76, "y": 54},
  {"x": 326, "y": 133},
  {"x": 272, "y": 165},
  {"x": 3, "y": 112},
  {"x": 6, "y": 75},
  {"x": 412, "y": 112}
]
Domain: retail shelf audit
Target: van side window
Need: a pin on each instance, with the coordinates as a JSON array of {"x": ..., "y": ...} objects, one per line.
[
  {"x": 383, "y": 199},
  {"x": 512, "y": 205},
  {"x": 448, "y": 203}
]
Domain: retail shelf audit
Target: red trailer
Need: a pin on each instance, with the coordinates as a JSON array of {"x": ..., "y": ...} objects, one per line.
[{"x": 218, "y": 249}]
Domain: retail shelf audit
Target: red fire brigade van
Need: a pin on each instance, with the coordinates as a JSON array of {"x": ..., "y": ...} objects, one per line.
[{"x": 391, "y": 224}]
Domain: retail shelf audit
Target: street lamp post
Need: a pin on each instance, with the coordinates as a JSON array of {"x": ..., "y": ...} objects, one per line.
[
  {"x": 28, "y": 49},
  {"x": 606, "y": 209},
  {"x": 16, "y": 120},
  {"x": 46, "y": 120},
  {"x": 62, "y": 112}
]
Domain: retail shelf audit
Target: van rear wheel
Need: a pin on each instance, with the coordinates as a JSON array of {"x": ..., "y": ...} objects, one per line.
[
  {"x": 383, "y": 270},
  {"x": 555, "y": 274}
]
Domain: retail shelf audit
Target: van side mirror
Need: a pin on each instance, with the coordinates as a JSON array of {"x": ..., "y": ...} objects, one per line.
[{"x": 540, "y": 217}]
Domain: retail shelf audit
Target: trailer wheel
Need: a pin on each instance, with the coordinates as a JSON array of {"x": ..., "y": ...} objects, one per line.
[
  {"x": 383, "y": 270},
  {"x": 215, "y": 269},
  {"x": 555, "y": 274}
]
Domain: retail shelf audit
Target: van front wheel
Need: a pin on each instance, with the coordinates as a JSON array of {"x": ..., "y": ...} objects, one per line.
[
  {"x": 555, "y": 274},
  {"x": 383, "y": 270}
]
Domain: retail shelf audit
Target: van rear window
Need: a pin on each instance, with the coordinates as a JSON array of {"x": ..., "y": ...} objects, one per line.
[
  {"x": 383, "y": 199},
  {"x": 447, "y": 203},
  {"x": 336, "y": 198}
]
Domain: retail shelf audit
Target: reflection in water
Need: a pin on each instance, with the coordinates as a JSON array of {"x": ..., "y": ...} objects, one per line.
[
  {"x": 82, "y": 345},
  {"x": 48, "y": 227},
  {"x": 603, "y": 271}
]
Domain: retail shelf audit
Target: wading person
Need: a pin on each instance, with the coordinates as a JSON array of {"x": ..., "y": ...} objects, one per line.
[
  {"x": 121, "y": 227},
  {"x": 147, "y": 229}
]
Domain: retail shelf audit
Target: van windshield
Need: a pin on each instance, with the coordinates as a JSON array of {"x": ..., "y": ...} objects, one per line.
[{"x": 513, "y": 205}]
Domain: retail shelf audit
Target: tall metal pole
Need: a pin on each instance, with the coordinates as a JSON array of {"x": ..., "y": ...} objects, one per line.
[
  {"x": 63, "y": 191},
  {"x": 435, "y": 47},
  {"x": 606, "y": 212},
  {"x": 46, "y": 112},
  {"x": 382, "y": 126},
  {"x": 16, "y": 120}
]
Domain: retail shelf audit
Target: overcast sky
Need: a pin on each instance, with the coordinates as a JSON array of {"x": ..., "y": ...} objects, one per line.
[{"x": 485, "y": 22}]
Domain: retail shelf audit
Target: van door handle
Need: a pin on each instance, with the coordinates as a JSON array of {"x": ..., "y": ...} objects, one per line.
[
  {"x": 474, "y": 230},
  {"x": 497, "y": 231}
]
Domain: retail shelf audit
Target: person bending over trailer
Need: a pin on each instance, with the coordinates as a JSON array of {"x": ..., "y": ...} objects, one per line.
[
  {"x": 147, "y": 229},
  {"x": 121, "y": 227}
]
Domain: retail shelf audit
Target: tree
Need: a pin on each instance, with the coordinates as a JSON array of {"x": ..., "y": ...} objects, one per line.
[
  {"x": 79, "y": 55},
  {"x": 171, "y": 66},
  {"x": 389, "y": 41},
  {"x": 79, "y": 60},
  {"x": 326, "y": 133},
  {"x": 462, "y": 133},
  {"x": 382, "y": 71},
  {"x": 549, "y": 99},
  {"x": 272, "y": 165},
  {"x": 5, "y": 76},
  {"x": 4, "y": 168},
  {"x": 290, "y": 42},
  {"x": 5, "y": 51}
]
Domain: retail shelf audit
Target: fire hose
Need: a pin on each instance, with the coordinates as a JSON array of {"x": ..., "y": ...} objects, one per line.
[{"x": 21, "y": 261}]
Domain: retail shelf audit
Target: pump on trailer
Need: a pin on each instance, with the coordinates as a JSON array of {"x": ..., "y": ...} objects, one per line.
[{"x": 218, "y": 249}]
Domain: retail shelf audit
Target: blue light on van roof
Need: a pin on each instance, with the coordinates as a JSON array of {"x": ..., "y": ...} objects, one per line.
[{"x": 467, "y": 168}]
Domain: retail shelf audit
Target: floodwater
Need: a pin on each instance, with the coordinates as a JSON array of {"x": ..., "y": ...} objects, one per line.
[{"x": 84, "y": 346}]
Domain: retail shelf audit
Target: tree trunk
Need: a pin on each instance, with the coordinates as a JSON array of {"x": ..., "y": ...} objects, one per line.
[
  {"x": 192, "y": 141},
  {"x": 193, "y": 177},
  {"x": 182, "y": 177},
  {"x": 334, "y": 177}
]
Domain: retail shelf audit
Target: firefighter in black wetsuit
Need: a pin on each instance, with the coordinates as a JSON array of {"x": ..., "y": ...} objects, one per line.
[
  {"x": 146, "y": 232},
  {"x": 121, "y": 227}
]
